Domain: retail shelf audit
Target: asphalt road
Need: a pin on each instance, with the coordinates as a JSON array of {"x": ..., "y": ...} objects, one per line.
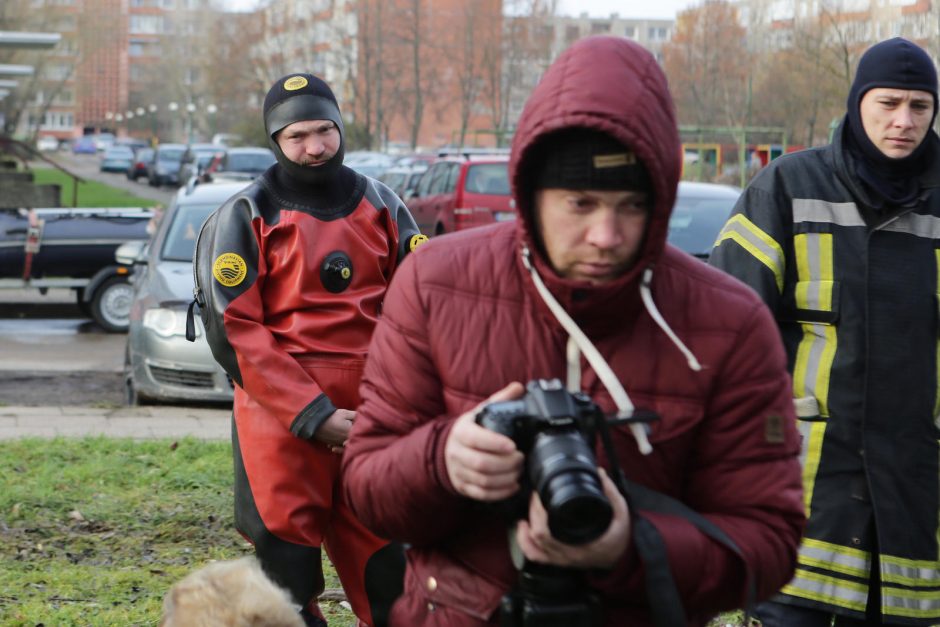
[
  {"x": 50, "y": 352},
  {"x": 87, "y": 167}
]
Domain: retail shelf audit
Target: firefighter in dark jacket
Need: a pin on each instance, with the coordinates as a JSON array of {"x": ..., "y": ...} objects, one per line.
[
  {"x": 843, "y": 243},
  {"x": 291, "y": 274}
]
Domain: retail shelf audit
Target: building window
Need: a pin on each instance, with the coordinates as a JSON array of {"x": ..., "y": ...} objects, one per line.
[
  {"x": 629, "y": 32},
  {"x": 572, "y": 34},
  {"x": 599, "y": 28},
  {"x": 656, "y": 33},
  {"x": 147, "y": 24}
]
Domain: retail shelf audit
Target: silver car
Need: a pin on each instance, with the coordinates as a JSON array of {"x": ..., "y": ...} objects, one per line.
[{"x": 159, "y": 363}]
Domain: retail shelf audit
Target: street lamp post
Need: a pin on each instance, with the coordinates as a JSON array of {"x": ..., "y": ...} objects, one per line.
[
  {"x": 153, "y": 124},
  {"x": 190, "y": 110},
  {"x": 211, "y": 110},
  {"x": 173, "y": 108}
]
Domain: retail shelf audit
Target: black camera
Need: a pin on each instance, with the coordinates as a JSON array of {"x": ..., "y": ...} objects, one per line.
[{"x": 556, "y": 430}]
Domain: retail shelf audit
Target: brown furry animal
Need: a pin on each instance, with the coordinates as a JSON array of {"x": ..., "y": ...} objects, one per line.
[{"x": 232, "y": 594}]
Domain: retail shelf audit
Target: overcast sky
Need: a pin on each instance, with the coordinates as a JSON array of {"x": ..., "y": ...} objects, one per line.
[
  {"x": 594, "y": 8},
  {"x": 625, "y": 8}
]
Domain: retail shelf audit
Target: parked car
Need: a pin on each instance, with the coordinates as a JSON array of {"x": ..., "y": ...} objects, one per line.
[
  {"x": 116, "y": 159},
  {"x": 47, "y": 143},
  {"x": 699, "y": 214},
  {"x": 73, "y": 248},
  {"x": 403, "y": 179},
  {"x": 138, "y": 167},
  {"x": 159, "y": 363},
  {"x": 164, "y": 167},
  {"x": 195, "y": 159},
  {"x": 368, "y": 162},
  {"x": 249, "y": 161},
  {"x": 84, "y": 145},
  {"x": 134, "y": 143},
  {"x": 461, "y": 192}
]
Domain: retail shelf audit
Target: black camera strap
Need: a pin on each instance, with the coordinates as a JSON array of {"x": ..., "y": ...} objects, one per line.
[{"x": 661, "y": 592}]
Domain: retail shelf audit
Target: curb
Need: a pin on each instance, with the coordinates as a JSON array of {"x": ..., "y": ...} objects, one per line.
[{"x": 125, "y": 422}]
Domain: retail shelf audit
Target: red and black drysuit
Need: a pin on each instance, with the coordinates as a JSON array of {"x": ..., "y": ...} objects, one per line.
[{"x": 291, "y": 279}]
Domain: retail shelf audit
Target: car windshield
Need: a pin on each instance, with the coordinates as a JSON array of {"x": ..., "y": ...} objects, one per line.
[
  {"x": 250, "y": 162},
  {"x": 203, "y": 158},
  {"x": 696, "y": 221},
  {"x": 119, "y": 151},
  {"x": 180, "y": 240},
  {"x": 488, "y": 178},
  {"x": 170, "y": 154}
]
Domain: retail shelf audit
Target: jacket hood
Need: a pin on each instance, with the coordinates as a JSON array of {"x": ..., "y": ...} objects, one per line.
[{"x": 615, "y": 86}]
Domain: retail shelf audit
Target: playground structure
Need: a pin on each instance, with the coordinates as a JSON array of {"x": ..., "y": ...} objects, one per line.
[{"x": 730, "y": 154}]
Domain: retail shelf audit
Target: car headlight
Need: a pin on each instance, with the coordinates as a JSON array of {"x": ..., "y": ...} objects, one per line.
[{"x": 167, "y": 322}]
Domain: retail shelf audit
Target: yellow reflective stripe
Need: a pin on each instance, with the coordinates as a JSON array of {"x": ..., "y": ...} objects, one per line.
[
  {"x": 911, "y": 603},
  {"x": 830, "y": 590},
  {"x": 900, "y": 570},
  {"x": 836, "y": 558},
  {"x": 813, "y": 255},
  {"x": 812, "y": 445},
  {"x": 756, "y": 242}
]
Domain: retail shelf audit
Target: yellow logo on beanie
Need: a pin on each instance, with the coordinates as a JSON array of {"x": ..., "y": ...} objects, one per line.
[
  {"x": 614, "y": 161},
  {"x": 294, "y": 83},
  {"x": 229, "y": 269}
]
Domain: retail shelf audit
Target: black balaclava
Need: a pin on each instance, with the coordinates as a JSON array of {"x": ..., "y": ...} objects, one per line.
[
  {"x": 899, "y": 64},
  {"x": 300, "y": 97}
]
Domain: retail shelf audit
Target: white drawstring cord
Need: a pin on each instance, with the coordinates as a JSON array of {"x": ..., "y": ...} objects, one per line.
[
  {"x": 608, "y": 378},
  {"x": 647, "y": 295}
]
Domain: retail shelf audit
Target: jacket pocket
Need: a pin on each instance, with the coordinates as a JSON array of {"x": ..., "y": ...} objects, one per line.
[{"x": 443, "y": 584}]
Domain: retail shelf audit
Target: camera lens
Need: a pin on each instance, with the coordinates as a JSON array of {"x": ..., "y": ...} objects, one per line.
[{"x": 562, "y": 469}]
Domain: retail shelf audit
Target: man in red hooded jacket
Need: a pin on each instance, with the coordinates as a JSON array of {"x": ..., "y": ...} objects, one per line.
[{"x": 705, "y": 508}]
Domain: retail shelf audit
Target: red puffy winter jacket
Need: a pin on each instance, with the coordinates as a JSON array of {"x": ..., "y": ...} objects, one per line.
[{"x": 462, "y": 319}]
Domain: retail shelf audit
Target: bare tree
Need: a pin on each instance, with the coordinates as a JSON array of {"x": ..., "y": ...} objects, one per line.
[{"x": 708, "y": 65}]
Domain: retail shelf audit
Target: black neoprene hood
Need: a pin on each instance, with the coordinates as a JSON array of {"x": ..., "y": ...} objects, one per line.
[{"x": 296, "y": 98}]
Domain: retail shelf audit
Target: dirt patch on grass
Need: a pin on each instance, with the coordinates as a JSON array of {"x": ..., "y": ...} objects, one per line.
[{"x": 36, "y": 389}]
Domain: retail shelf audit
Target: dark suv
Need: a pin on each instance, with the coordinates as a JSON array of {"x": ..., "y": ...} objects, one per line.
[
  {"x": 164, "y": 166},
  {"x": 462, "y": 192}
]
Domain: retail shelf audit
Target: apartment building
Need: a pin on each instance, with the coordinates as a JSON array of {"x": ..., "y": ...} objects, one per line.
[
  {"x": 130, "y": 66},
  {"x": 552, "y": 34}
]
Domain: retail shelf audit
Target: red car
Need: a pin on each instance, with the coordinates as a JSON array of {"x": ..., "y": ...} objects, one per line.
[{"x": 462, "y": 192}]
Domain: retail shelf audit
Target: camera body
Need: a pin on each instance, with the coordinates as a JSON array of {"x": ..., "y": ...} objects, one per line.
[{"x": 556, "y": 430}]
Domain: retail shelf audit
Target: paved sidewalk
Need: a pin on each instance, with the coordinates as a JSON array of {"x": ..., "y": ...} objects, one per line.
[{"x": 125, "y": 422}]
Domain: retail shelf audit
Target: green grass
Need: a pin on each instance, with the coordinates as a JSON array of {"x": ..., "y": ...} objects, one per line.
[
  {"x": 90, "y": 193},
  {"x": 94, "y": 531}
]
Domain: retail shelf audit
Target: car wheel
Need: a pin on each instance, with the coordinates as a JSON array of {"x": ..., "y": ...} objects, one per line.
[{"x": 111, "y": 304}]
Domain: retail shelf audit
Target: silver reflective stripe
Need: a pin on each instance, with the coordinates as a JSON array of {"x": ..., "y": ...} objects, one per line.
[
  {"x": 835, "y": 558},
  {"x": 814, "y": 210},
  {"x": 915, "y": 224},
  {"x": 812, "y": 350},
  {"x": 893, "y": 572},
  {"x": 817, "y": 274},
  {"x": 830, "y": 590},
  {"x": 774, "y": 255},
  {"x": 913, "y": 603}
]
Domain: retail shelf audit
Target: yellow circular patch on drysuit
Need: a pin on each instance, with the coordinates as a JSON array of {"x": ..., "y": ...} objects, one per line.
[
  {"x": 294, "y": 83},
  {"x": 229, "y": 269},
  {"x": 416, "y": 240}
]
